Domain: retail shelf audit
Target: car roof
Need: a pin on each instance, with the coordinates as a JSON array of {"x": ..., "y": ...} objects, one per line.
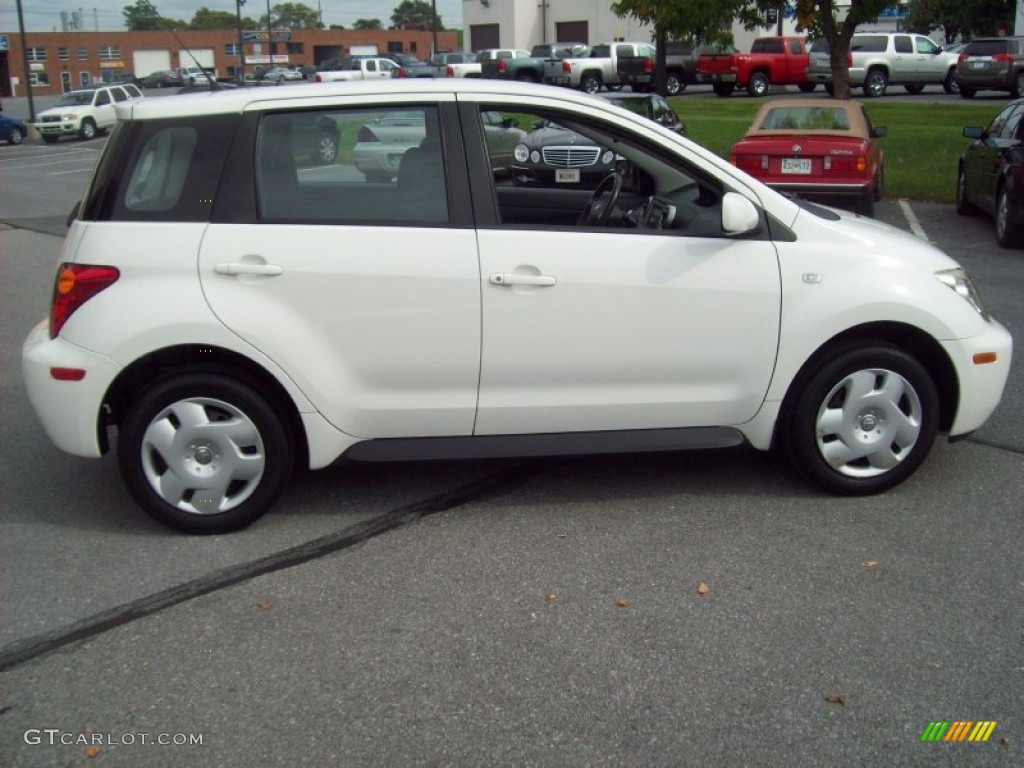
[{"x": 331, "y": 93}]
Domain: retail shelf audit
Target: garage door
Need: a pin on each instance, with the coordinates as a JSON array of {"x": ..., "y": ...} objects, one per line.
[
  {"x": 483, "y": 36},
  {"x": 572, "y": 32}
]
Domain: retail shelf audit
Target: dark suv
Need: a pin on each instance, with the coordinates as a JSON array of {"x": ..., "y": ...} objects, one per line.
[{"x": 993, "y": 64}]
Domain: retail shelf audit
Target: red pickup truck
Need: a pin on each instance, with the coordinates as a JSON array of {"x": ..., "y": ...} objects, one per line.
[{"x": 771, "y": 61}]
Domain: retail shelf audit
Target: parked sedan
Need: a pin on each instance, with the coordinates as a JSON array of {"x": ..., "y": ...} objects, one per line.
[
  {"x": 990, "y": 176},
  {"x": 280, "y": 74},
  {"x": 162, "y": 78},
  {"x": 815, "y": 148},
  {"x": 554, "y": 155},
  {"x": 12, "y": 130}
]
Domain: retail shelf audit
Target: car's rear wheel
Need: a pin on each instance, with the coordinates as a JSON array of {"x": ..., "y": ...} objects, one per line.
[
  {"x": 876, "y": 83},
  {"x": 88, "y": 129},
  {"x": 1008, "y": 233},
  {"x": 806, "y": 87},
  {"x": 866, "y": 204},
  {"x": 326, "y": 149},
  {"x": 879, "y": 184},
  {"x": 674, "y": 84},
  {"x": 527, "y": 77},
  {"x": 204, "y": 453},
  {"x": 963, "y": 205},
  {"x": 914, "y": 88},
  {"x": 759, "y": 84},
  {"x": 865, "y": 419},
  {"x": 723, "y": 89},
  {"x": 590, "y": 83}
]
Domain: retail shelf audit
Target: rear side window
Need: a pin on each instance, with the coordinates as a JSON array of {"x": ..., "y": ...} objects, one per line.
[
  {"x": 160, "y": 170},
  {"x": 904, "y": 44},
  {"x": 869, "y": 43},
  {"x": 767, "y": 45},
  {"x": 375, "y": 166}
]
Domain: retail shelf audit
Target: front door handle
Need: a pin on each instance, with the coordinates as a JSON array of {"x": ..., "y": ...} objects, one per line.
[
  {"x": 506, "y": 278},
  {"x": 235, "y": 268}
]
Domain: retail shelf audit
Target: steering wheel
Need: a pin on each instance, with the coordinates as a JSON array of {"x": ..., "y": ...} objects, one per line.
[{"x": 596, "y": 212}]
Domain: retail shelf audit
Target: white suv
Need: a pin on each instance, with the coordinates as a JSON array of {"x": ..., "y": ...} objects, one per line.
[
  {"x": 85, "y": 113},
  {"x": 236, "y": 307}
]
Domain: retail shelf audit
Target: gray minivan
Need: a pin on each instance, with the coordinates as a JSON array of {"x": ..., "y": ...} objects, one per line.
[
  {"x": 881, "y": 59},
  {"x": 992, "y": 63}
]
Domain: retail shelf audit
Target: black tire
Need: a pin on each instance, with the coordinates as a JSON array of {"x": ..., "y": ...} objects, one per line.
[
  {"x": 16, "y": 136},
  {"x": 951, "y": 84},
  {"x": 854, "y": 446},
  {"x": 674, "y": 83},
  {"x": 723, "y": 89},
  {"x": 759, "y": 84},
  {"x": 1008, "y": 233},
  {"x": 963, "y": 206},
  {"x": 875, "y": 82},
  {"x": 914, "y": 89},
  {"x": 88, "y": 129},
  {"x": 966, "y": 93},
  {"x": 1018, "y": 85},
  {"x": 866, "y": 204},
  {"x": 527, "y": 77},
  {"x": 50, "y": 139},
  {"x": 170, "y": 447},
  {"x": 879, "y": 185},
  {"x": 590, "y": 83},
  {"x": 806, "y": 87}
]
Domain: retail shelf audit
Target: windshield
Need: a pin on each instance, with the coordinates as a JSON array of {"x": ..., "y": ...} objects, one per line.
[{"x": 75, "y": 99}]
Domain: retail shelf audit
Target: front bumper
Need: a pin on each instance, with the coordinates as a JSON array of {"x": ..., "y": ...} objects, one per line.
[
  {"x": 981, "y": 386},
  {"x": 63, "y": 128},
  {"x": 853, "y": 189},
  {"x": 70, "y": 411}
]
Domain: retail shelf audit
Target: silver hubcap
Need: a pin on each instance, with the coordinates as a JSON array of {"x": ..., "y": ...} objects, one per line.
[
  {"x": 203, "y": 455},
  {"x": 869, "y": 423}
]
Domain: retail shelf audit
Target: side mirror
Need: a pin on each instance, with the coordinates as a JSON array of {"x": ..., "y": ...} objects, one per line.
[
  {"x": 739, "y": 215},
  {"x": 879, "y": 131},
  {"x": 974, "y": 132},
  {"x": 74, "y": 214}
]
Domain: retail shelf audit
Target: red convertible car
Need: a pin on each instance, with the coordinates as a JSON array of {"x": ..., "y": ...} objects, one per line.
[{"x": 815, "y": 148}]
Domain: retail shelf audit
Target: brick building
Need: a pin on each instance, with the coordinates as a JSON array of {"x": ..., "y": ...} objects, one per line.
[{"x": 62, "y": 61}]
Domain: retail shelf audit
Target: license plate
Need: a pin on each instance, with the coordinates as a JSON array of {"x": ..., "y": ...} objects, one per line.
[
  {"x": 727, "y": 78},
  {"x": 796, "y": 165},
  {"x": 569, "y": 175},
  {"x": 978, "y": 64}
]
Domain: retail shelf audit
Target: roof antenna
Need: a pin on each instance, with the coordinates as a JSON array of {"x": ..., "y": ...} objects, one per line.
[{"x": 210, "y": 76}]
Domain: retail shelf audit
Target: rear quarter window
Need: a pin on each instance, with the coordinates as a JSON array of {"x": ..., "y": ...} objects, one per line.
[
  {"x": 869, "y": 44},
  {"x": 160, "y": 170}
]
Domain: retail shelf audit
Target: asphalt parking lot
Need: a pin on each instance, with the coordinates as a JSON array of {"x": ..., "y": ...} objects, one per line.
[{"x": 509, "y": 612}]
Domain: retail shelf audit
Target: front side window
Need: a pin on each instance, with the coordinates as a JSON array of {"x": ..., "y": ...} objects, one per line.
[
  {"x": 924, "y": 45},
  {"x": 554, "y": 169},
  {"x": 382, "y": 166}
]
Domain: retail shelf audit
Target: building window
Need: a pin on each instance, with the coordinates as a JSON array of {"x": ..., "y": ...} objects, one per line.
[
  {"x": 110, "y": 52},
  {"x": 39, "y": 78},
  {"x": 294, "y": 48},
  {"x": 83, "y": 53},
  {"x": 62, "y": 54},
  {"x": 412, "y": 46},
  {"x": 394, "y": 46},
  {"x": 37, "y": 54},
  {"x": 232, "y": 49}
]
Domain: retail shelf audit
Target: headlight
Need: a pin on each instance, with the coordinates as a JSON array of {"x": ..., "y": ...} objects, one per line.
[
  {"x": 607, "y": 157},
  {"x": 522, "y": 153},
  {"x": 958, "y": 280},
  {"x": 68, "y": 116}
]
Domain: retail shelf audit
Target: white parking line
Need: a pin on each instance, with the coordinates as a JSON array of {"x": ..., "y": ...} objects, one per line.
[
  {"x": 912, "y": 220},
  {"x": 64, "y": 173}
]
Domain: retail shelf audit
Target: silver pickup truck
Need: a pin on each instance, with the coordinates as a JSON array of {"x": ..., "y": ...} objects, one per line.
[{"x": 595, "y": 71}]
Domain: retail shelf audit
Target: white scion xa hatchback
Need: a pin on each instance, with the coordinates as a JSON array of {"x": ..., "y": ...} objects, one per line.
[{"x": 234, "y": 305}]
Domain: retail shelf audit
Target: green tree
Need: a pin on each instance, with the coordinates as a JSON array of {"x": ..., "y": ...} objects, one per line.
[
  {"x": 367, "y": 24},
  {"x": 960, "y": 18},
  {"x": 415, "y": 14},
  {"x": 144, "y": 15},
  {"x": 293, "y": 16},
  {"x": 204, "y": 18}
]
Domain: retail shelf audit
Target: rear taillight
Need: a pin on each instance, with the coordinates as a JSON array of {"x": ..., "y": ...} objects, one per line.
[
  {"x": 365, "y": 134},
  {"x": 750, "y": 163},
  {"x": 502, "y": 66},
  {"x": 963, "y": 57},
  {"x": 450, "y": 71},
  {"x": 1003, "y": 57},
  {"x": 566, "y": 68},
  {"x": 318, "y": 78},
  {"x": 75, "y": 285},
  {"x": 401, "y": 72},
  {"x": 856, "y": 163},
  {"x": 648, "y": 65}
]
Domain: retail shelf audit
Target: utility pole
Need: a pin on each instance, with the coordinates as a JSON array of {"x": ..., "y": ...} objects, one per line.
[
  {"x": 543, "y": 5},
  {"x": 270, "y": 38},
  {"x": 24, "y": 63},
  {"x": 433, "y": 24},
  {"x": 241, "y": 43}
]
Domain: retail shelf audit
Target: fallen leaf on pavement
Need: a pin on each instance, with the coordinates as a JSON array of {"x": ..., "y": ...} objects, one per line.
[
  {"x": 92, "y": 750},
  {"x": 869, "y": 563},
  {"x": 836, "y": 700},
  {"x": 703, "y": 589},
  {"x": 551, "y": 597},
  {"x": 622, "y": 602},
  {"x": 264, "y": 604}
]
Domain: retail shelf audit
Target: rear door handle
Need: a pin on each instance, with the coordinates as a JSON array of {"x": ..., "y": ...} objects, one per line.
[
  {"x": 506, "y": 278},
  {"x": 235, "y": 268}
]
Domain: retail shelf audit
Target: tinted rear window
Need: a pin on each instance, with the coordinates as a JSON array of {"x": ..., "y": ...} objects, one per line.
[
  {"x": 869, "y": 43},
  {"x": 987, "y": 47}
]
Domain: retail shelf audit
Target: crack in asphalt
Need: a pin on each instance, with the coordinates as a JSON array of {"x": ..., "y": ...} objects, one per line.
[{"x": 21, "y": 651}]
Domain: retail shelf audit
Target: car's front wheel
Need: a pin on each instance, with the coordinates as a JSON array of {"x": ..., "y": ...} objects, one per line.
[
  {"x": 1008, "y": 233},
  {"x": 864, "y": 420},
  {"x": 204, "y": 453},
  {"x": 88, "y": 129},
  {"x": 326, "y": 149},
  {"x": 16, "y": 136}
]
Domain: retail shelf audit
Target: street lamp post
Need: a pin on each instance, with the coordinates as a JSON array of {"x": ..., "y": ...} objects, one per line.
[
  {"x": 241, "y": 44},
  {"x": 433, "y": 23}
]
